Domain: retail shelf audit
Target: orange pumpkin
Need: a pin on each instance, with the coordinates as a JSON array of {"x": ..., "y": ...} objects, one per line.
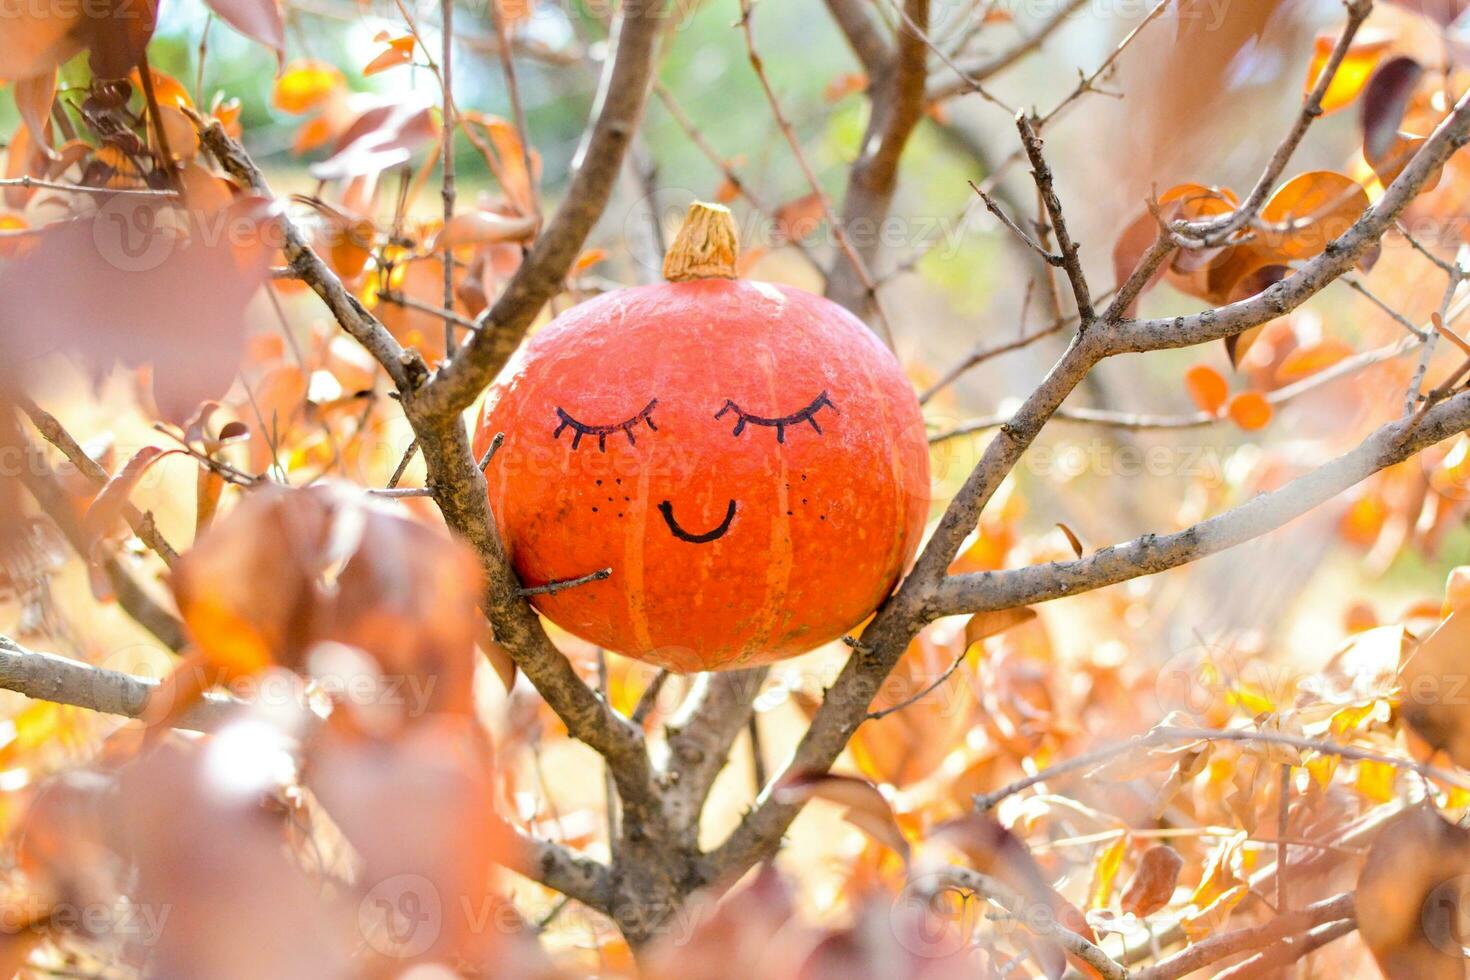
[{"x": 748, "y": 460}]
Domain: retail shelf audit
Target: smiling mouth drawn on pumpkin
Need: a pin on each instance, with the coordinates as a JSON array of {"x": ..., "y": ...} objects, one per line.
[
  {"x": 795, "y": 418},
  {"x": 667, "y": 509}
]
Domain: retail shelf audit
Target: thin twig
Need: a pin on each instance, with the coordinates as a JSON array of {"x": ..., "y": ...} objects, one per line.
[
  {"x": 1070, "y": 262},
  {"x": 560, "y": 585},
  {"x": 35, "y": 183},
  {"x": 1167, "y": 734},
  {"x": 1050, "y": 258},
  {"x": 784, "y": 125},
  {"x": 1216, "y": 230}
]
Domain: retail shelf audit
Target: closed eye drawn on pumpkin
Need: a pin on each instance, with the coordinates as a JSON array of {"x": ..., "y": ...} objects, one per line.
[
  {"x": 807, "y": 415},
  {"x": 580, "y": 429}
]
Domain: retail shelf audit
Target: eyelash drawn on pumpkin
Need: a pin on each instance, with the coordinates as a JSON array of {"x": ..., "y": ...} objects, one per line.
[
  {"x": 603, "y": 431},
  {"x": 807, "y": 415}
]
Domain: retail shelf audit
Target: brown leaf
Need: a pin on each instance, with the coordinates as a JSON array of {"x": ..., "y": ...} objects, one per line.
[
  {"x": 1384, "y": 104},
  {"x": 379, "y": 139},
  {"x": 1072, "y": 539},
  {"x": 867, "y": 809},
  {"x": 33, "y": 98},
  {"x": 288, "y": 570},
  {"x": 159, "y": 272},
  {"x": 106, "y": 510},
  {"x": 484, "y": 228},
  {"x": 797, "y": 220},
  {"x": 1152, "y": 885},
  {"x": 1432, "y": 681},
  {"x": 1411, "y": 897},
  {"x": 259, "y": 20},
  {"x": 987, "y": 624}
]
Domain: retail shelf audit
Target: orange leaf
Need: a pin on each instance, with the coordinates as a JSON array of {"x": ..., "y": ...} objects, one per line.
[
  {"x": 314, "y": 133},
  {"x": 1308, "y": 360},
  {"x": 588, "y": 259},
  {"x": 1352, "y": 73},
  {"x": 304, "y": 85},
  {"x": 398, "y": 52},
  {"x": 1309, "y": 211},
  {"x": 844, "y": 85},
  {"x": 1250, "y": 410},
  {"x": 1207, "y": 388}
]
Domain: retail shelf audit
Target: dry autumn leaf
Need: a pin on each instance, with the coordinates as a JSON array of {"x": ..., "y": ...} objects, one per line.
[
  {"x": 1153, "y": 882},
  {"x": 1250, "y": 410},
  {"x": 1411, "y": 895},
  {"x": 1207, "y": 388},
  {"x": 1352, "y": 74}
]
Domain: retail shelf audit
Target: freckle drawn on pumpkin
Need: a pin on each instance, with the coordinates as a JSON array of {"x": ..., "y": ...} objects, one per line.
[
  {"x": 807, "y": 415},
  {"x": 666, "y": 508},
  {"x": 580, "y": 429}
]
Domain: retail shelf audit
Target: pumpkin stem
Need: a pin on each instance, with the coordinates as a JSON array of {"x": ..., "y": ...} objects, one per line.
[{"x": 706, "y": 246}]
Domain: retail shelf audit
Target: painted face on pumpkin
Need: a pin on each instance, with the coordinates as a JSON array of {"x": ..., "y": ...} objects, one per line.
[{"x": 747, "y": 459}]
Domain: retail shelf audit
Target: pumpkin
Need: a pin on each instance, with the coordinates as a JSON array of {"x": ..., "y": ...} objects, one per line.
[{"x": 747, "y": 459}]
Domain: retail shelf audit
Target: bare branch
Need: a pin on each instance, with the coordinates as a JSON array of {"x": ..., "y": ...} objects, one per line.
[
  {"x": 621, "y": 97},
  {"x": 862, "y": 34},
  {"x": 983, "y": 70},
  {"x": 1216, "y": 230},
  {"x": 55, "y": 433},
  {"x": 61, "y": 680},
  {"x": 991, "y": 205},
  {"x": 1126, "y": 420},
  {"x": 365, "y": 328},
  {"x": 1154, "y": 553},
  {"x": 852, "y": 261},
  {"x": 699, "y": 739},
  {"x": 1069, "y": 260},
  {"x": 1170, "y": 734},
  {"x": 554, "y": 866},
  {"x": 1288, "y": 951},
  {"x": 1224, "y": 945}
]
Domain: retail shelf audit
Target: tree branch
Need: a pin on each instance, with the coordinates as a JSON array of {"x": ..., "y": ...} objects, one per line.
[
  {"x": 862, "y": 34},
  {"x": 1152, "y": 553},
  {"x": 61, "y": 680},
  {"x": 1214, "y": 231},
  {"x": 913, "y": 605},
  {"x": 897, "y": 95},
  {"x": 983, "y": 70},
  {"x": 55, "y": 433},
  {"x": 305, "y": 264},
  {"x": 699, "y": 739},
  {"x": 554, "y": 866},
  {"x": 620, "y": 99},
  {"x": 39, "y": 480},
  {"x": 1224, "y": 945}
]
